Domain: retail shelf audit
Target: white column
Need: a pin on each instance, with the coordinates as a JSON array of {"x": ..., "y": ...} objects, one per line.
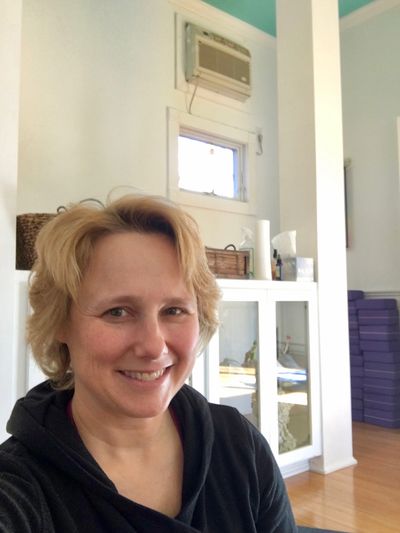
[
  {"x": 312, "y": 195},
  {"x": 10, "y": 39}
]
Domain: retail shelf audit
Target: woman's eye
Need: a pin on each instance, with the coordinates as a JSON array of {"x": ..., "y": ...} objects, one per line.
[
  {"x": 116, "y": 312},
  {"x": 175, "y": 311}
]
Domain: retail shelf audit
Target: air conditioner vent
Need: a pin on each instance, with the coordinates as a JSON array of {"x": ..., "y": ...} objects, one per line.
[
  {"x": 223, "y": 63},
  {"x": 217, "y": 63}
]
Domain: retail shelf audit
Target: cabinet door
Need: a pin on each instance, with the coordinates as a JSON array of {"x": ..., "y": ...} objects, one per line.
[
  {"x": 238, "y": 355},
  {"x": 231, "y": 369},
  {"x": 297, "y": 379}
]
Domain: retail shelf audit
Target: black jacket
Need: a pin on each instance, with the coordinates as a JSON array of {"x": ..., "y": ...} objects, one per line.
[{"x": 49, "y": 483}]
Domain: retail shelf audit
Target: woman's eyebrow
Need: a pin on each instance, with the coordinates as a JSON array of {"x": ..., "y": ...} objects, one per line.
[
  {"x": 130, "y": 299},
  {"x": 94, "y": 302},
  {"x": 181, "y": 300},
  {"x": 122, "y": 298}
]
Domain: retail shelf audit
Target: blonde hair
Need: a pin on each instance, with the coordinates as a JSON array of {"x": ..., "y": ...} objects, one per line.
[{"x": 64, "y": 247}]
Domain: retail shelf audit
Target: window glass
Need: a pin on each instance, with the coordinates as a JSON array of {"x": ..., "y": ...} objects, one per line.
[{"x": 210, "y": 165}]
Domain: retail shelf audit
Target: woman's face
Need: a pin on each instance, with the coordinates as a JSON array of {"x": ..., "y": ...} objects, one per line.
[{"x": 132, "y": 333}]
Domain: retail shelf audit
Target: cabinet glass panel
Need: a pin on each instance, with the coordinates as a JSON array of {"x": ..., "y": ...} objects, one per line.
[
  {"x": 293, "y": 375},
  {"x": 238, "y": 357}
]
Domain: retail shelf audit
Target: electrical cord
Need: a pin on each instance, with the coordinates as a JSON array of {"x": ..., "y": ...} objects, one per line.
[{"x": 189, "y": 109}]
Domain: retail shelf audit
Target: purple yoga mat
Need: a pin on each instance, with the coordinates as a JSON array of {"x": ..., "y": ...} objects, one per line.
[
  {"x": 384, "y": 422},
  {"x": 355, "y": 295},
  {"x": 382, "y": 374},
  {"x": 357, "y": 415},
  {"x": 357, "y": 371},
  {"x": 356, "y": 360},
  {"x": 382, "y": 357},
  {"x": 392, "y": 384},
  {"x": 377, "y": 303},
  {"x": 383, "y": 367},
  {"x": 357, "y": 403},
  {"x": 381, "y": 396},
  {"x": 383, "y": 332},
  {"x": 357, "y": 393},
  {"x": 380, "y": 346},
  {"x": 390, "y": 407},
  {"x": 378, "y": 316}
]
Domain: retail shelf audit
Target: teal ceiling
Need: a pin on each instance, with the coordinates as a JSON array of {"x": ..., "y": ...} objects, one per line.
[{"x": 261, "y": 13}]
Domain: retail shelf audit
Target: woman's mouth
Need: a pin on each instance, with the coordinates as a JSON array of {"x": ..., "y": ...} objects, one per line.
[{"x": 143, "y": 376}]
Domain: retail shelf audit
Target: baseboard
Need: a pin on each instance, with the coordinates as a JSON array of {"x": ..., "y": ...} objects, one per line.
[
  {"x": 295, "y": 468},
  {"x": 317, "y": 466}
]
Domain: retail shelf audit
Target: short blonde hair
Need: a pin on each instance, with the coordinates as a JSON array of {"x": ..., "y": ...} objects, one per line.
[{"x": 64, "y": 247}]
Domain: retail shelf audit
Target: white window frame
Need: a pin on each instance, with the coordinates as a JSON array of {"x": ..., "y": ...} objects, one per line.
[{"x": 179, "y": 120}]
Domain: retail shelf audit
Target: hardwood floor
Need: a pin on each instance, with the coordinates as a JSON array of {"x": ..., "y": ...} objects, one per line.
[{"x": 364, "y": 498}]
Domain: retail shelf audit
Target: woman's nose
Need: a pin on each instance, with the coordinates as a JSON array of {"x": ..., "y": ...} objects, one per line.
[{"x": 149, "y": 339}]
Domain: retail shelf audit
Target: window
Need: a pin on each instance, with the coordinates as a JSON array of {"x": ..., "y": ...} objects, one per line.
[{"x": 211, "y": 165}]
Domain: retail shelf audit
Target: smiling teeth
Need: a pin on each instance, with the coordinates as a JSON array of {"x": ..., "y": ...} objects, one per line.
[{"x": 144, "y": 376}]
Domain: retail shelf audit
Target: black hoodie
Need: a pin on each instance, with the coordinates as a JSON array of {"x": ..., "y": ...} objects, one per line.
[{"x": 49, "y": 482}]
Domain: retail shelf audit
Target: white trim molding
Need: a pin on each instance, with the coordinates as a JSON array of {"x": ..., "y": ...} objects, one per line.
[
  {"x": 176, "y": 119},
  {"x": 367, "y": 12},
  {"x": 217, "y": 17},
  {"x": 295, "y": 468}
]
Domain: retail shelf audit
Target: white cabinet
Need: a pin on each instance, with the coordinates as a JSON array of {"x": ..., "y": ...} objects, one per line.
[{"x": 264, "y": 361}]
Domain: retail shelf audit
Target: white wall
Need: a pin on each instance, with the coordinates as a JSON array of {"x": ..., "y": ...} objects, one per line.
[
  {"x": 371, "y": 103},
  {"x": 97, "y": 79},
  {"x": 10, "y": 39}
]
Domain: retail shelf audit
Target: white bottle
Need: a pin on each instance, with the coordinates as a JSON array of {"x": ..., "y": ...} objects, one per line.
[{"x": 247, "y": 244}]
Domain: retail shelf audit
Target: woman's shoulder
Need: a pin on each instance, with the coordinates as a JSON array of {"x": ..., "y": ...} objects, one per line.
[
  {"x": 20, "y": 500},
  {"x": 12, "y": 452},
  {"x": 15, "y": 463}
]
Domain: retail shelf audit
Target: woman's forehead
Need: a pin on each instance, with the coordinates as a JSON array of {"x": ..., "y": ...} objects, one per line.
[{"x": 134, "y": 261}]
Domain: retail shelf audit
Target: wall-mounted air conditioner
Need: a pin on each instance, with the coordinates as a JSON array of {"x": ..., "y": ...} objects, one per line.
[{"x": 216, "y": 63}]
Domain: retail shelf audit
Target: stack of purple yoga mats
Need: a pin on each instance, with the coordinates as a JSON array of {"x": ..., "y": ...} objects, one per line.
[
  {"x": 356, "y": 358},
  {"x": 374, "y": 359}
]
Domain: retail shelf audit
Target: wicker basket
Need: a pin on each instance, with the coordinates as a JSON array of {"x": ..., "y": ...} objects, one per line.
[
  {"x": 228, "y": 263},
  {"x": 28, "y": 227}
]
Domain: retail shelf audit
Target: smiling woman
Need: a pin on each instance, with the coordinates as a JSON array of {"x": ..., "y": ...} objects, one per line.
[
  {"x": 122, "y": 301},
  {"x": 131, "y": 347}
]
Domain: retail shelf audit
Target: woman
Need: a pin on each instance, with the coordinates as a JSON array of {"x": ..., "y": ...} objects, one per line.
[{"x": 122, "y": 301}]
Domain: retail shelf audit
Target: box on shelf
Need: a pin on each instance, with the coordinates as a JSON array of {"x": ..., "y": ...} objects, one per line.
[
  {"x": 298, "y": 269},
  {"x": 228, "y": 263}
]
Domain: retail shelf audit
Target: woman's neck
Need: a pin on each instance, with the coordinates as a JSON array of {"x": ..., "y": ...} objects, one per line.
[
  {"x": 119, "y": 433},
  {"x": 137, "y": 455}
]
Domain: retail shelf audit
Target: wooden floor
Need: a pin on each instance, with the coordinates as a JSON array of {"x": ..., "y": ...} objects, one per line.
[{"x": 364, "y": 498}]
